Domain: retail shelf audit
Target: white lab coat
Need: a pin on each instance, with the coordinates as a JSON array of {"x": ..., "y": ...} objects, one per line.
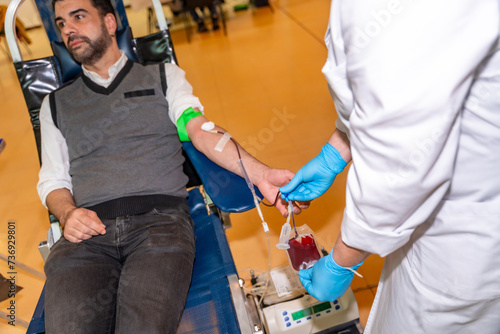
[{"x": 416, "y": 85}]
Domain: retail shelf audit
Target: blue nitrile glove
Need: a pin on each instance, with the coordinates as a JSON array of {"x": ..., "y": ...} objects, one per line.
[
  {"x": 326, "y": 280},
  {"x": 312, "y": 180}
]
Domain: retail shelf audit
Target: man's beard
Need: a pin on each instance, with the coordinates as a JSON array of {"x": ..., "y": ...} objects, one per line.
[{"x": 94, "y": 50}]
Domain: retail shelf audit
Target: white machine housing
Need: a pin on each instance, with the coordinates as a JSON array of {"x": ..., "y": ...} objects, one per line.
[{"x": 308, "y": 315}]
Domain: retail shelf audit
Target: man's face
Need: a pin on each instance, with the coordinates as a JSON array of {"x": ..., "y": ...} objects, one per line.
[{"x": 83, "y": 30}]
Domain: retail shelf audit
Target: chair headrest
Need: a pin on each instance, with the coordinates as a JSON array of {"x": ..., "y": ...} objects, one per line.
[
  {"x": 155, "y": 48},
  {"x": 69, "y": 68}
]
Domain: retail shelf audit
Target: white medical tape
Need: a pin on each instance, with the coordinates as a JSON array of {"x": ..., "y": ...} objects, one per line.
[{"x": 222, "y": 142}]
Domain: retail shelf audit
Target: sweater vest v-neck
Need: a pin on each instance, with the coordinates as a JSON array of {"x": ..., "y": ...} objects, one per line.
[{"x": 121, "y": 141}]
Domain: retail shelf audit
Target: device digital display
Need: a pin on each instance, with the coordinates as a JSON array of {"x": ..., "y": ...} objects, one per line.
[
  {"x": 311, "y": 310},
  {"x": 302, "y": 313},
  {"x": 321, "y": 307}
]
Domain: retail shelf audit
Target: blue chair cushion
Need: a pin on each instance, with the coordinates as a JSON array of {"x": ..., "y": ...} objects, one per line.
[
  {"x": 210, "y": 310},
  {"x": 126, "y": 43},
  {"x": 196, "y": 203},
  {"x": 69, "y": 69}
]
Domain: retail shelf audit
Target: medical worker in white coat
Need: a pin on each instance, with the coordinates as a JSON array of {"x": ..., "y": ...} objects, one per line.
[{"x": 416, "y": 85}]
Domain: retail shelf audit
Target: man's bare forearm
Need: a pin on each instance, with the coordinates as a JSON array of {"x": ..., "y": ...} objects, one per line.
[
  {"x": 340, "y": 141},
  {"x": 347, "y": 256},
  {"x": 206, "y": 142},
  {"x": 60, "y": 203}
]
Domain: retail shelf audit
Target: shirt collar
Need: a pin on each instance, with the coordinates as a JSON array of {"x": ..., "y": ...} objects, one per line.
[{"x": 113, "y": 71}]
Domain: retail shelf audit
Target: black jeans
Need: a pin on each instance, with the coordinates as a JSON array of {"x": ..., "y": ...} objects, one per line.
[{"x": 133, "y": 279}]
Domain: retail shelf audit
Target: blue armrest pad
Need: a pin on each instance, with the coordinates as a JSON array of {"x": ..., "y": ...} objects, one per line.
[{"x": 228, "y": 191}]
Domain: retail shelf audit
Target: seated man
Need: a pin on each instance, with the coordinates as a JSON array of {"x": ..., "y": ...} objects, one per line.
[{"x": 112, "y": 174}]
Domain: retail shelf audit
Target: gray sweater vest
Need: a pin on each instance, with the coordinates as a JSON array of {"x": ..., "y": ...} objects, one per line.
[{"x": 121, "y": 141}]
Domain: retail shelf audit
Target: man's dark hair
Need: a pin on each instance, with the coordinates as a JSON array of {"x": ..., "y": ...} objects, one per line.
[{"x": 103, "y": 6}]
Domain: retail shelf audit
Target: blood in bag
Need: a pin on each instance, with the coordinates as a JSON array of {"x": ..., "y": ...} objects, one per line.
[{"x": 303, "y": 252}]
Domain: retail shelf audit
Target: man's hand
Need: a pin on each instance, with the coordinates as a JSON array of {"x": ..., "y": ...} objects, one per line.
[
  {"x": 82, "y": 224},
  {"x": 312, "y": 180},
  {"x": 269, "y": 184},
  {"x": 78, "y": 223}
]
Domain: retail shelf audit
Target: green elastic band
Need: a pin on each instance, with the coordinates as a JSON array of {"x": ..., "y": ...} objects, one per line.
[{"x": 183, "y": 120}]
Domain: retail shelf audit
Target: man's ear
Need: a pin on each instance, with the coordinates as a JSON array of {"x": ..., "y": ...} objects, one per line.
[{"x": 110, "y": 22}]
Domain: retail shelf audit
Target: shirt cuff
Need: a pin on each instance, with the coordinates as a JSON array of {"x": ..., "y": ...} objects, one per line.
[
  {"x": 361, "y": 236},
  {"x": 46, "y": 188},
  {"x": 341, "y": 126}
]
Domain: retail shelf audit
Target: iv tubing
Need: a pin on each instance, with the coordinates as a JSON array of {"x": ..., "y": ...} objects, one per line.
[
  {"x": 254, "y": 195},
  {"x": 290, "y": 212}
]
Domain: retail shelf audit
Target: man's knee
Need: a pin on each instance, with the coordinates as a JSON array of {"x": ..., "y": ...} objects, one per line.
[{"x": 58, "y": 258}]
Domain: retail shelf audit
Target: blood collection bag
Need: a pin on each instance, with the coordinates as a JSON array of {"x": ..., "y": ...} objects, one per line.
[{"x": 303, "y": 251}]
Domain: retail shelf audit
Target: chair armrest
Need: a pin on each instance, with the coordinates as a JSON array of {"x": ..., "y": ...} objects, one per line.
[
  {"x": 54, "y": 233},
  {"x": 228, "y": 191}
]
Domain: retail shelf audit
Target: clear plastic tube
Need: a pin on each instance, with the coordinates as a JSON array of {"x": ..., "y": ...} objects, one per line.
[
  {"x": 264, "y": 224},
  {"x": 209, "y": 127},
  {"x": 286, "y": 229}
]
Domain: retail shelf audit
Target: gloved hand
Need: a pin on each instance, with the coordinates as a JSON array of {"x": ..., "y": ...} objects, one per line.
[
  {"x": 326, "y": 280},
  {"x": 315, "y": 177}
]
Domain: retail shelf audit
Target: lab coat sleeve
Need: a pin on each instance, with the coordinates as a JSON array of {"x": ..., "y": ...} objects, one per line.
[
  {"x": 341, "y": 126},
  {"x": 340, "y": 122},
  {"x": 335, "y": 73},
  {"x": 409, "y": 65},
  {"x": 54, "y": 173},
  {"x": 179, "y": 92}
]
